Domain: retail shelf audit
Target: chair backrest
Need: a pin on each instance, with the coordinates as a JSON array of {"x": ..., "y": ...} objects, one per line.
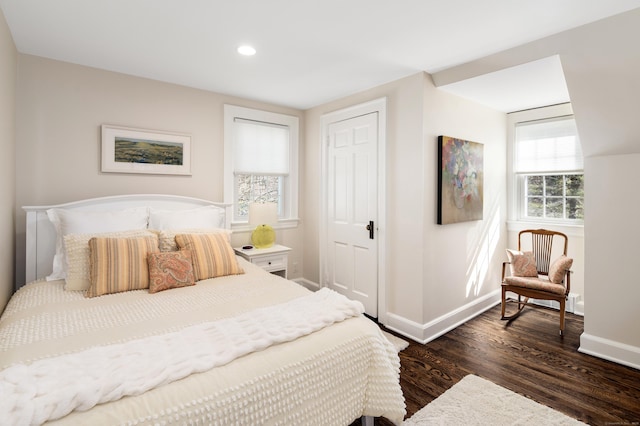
[{"x": 542, "y": 245}]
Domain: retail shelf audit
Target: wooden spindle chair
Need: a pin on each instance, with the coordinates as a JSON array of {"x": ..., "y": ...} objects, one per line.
[{"x": 539, "y": 284}]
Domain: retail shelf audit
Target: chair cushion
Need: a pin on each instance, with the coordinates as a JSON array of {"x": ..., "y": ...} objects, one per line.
[
  {"x": 522, "y": 264},
  {"x": 558, "y": 269},
  {"x": 541, "y": 284}
]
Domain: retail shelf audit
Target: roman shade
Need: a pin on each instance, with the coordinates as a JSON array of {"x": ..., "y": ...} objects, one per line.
[
  {"x": 547, "y": 146},
  {"x": 260, "y": 148}
]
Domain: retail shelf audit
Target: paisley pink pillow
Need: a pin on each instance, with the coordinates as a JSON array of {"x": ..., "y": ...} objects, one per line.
[
  {"x": 523, "y": 264},
  {"x": 170, "y": 270},
  {"x": 559, "y": 268}
]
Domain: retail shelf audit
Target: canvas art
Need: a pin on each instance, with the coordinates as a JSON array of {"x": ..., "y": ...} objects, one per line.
[
  {"x": 127, "y": 150},
  {"x": 460, "y": 180}
]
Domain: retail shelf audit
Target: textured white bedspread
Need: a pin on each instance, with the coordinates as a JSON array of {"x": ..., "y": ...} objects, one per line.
[
  {"x": 328, "y": 375},
  {"x": 51, "y": 388}
]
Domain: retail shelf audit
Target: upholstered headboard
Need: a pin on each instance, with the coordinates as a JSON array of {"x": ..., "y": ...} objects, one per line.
[{"x": 41, "y": 234}]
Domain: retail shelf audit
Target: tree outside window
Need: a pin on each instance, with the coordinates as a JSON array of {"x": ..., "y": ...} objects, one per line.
[
  {"x": 257, "y": 189},
  {"x": 554, "y": 197}
]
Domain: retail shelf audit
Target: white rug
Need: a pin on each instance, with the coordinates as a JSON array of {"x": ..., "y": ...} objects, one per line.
[
  {"x": 476, "y": 401},
  {"x": 399, "y": 343}
]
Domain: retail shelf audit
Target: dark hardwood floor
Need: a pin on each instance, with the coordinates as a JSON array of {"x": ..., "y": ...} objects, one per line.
[{"x": 526, "y": 356}]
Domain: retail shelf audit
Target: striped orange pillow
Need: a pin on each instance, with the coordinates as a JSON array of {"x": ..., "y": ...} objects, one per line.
[
  {"x": 212, "y": 255},
  {"x": 119, "y": 264}
]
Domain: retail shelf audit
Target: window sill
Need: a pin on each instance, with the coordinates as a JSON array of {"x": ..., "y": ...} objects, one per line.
[
  {"x": 282, "y": 224},
  {"x": 571, "y": 230}
]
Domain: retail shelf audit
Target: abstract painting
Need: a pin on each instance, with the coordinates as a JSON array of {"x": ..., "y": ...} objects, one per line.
[{"x": 460, "y": 180}]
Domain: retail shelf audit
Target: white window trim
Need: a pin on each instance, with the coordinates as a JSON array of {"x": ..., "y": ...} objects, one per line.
[
  {"x": 290, "y": 219},
  {"x": 514, "y": 222}
]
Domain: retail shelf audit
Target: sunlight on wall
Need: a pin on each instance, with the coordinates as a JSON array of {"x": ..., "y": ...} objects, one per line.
[{"x": 483, "y": 252}]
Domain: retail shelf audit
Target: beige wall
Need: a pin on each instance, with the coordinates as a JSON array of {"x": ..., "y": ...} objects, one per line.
[
  {"x": 59, "y": 112},
  {"x": 462, "y": 262},
  {"x": 605, "y": 100},
  {"x": 432, "y": 269},
  {"x": 612, "y": 311},
  {"x": 8, "y": 64},
  {"x": 601, "y": 68}
]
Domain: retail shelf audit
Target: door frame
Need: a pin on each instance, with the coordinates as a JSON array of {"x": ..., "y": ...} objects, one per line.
[{"x": 375, "y": 106}]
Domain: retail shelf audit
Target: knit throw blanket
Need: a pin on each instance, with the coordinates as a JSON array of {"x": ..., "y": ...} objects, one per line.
[{"x": 51, "y": 388}]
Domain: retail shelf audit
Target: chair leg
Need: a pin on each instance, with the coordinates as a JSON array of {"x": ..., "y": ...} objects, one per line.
[
  {"x": 521, "y": 305},
  {"x": 562, "y": 307}
]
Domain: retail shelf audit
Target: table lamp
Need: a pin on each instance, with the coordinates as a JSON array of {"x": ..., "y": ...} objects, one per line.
[{"x": 262, "y": 216}]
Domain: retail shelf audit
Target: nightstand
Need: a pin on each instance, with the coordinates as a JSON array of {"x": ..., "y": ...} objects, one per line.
[{"x": 273, "y": 259}]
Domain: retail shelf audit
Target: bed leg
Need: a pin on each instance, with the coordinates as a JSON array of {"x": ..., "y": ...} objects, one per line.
[{"x": 367, "y": 421}]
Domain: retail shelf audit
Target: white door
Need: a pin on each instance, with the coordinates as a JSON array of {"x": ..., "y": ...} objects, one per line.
[{"x": 352, "y": 205}]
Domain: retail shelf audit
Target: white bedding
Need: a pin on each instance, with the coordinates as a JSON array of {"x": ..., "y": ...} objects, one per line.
[{"x": 329, "y": 377}]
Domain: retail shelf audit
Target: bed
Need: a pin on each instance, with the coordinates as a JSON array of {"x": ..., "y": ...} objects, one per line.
[{"x": 242, "y": 347}]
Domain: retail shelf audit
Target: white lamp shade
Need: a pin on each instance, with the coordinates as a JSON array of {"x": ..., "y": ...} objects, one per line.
[{"x": 263, "y": 214}]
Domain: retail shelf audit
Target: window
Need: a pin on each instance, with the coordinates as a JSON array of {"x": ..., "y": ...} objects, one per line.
[
  {"x": 548, "y": 168},
  {"x": 261, "y": 153}
]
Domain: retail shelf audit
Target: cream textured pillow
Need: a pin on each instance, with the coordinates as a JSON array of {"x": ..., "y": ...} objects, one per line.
[
  {"x": 559, "y": 268},
  {"x": 90, "y": 222},
  {"x": 77, "y": 254},
  {"x": 167, "y": 237},
  {"x": 119, "y": 264},
  {"x": 170, "y": 270},
  {"x": 212, "y": 255},
  {"x": 523, "y": 264}
]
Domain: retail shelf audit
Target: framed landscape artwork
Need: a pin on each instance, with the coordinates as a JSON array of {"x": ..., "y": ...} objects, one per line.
[
  {"x": 127, "y": 150},
  {"x": 460, "y": 180}
]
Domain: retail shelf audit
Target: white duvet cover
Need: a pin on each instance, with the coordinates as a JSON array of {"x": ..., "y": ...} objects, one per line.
[{"x": 328, "y": 375}]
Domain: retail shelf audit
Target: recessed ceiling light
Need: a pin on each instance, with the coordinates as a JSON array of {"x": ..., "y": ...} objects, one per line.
[{"x": 246, "y": 50}]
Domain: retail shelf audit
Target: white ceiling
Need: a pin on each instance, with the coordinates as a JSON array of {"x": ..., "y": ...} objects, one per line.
[
  {"x": 309, "y": 51},
  {"x": 531, "y": 85}
]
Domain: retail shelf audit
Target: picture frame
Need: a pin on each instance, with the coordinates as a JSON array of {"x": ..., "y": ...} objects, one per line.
[
  {"x": 460, "y": 180},
  {"x": 130, "y": 150}
]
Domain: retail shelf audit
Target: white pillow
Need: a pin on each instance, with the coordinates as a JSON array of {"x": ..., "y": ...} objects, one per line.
[
  {"x": 207, "y": 217},
  {"x": 86, "y": 222}
]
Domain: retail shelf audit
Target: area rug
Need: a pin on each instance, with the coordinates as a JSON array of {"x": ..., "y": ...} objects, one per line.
[
  {"x": 400, "y": 344},
  {"x": 476, "y": 401}
]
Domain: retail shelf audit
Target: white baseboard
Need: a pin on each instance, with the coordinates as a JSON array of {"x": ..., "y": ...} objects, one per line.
[
  {"x": 570, "y": 306},
  {"x": 424, "y": 333},
  {"x": 405, "y": 327},
  {"x": 307, "y": 283},
  {"x": 610, "y": 350}
]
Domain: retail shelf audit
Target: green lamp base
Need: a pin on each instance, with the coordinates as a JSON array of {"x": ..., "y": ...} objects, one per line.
[{"x": 263, "y": 237}]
